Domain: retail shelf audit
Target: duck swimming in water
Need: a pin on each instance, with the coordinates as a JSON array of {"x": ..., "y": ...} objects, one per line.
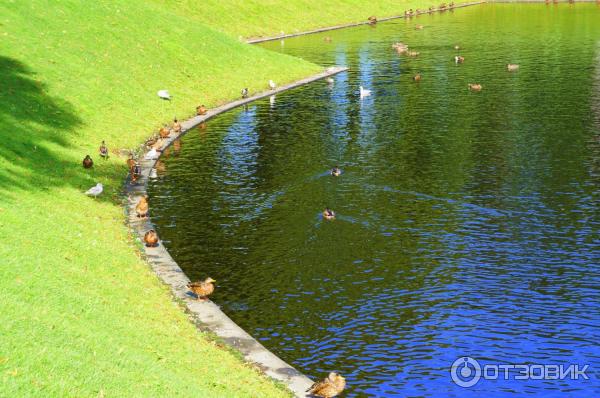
[
  {"x": 475, "y": 87},
  {"x": 336, "y": 171},
  {"x": 328, "y": 214},
  {"x": 459, "y": 59},
  {"x": 512, "y": 67},
  {"x": 330, "y": 387}
]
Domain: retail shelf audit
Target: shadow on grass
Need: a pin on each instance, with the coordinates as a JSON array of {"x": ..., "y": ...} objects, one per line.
[{"x": 30, "y": 119}]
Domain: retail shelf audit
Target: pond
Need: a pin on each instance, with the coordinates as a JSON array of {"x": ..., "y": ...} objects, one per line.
[{"x": 468, "y": 223}]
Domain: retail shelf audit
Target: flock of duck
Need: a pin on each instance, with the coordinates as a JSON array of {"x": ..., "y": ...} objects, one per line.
[
  {"x": 334, "y": 383},
  {"x": 402, "y": 49}
]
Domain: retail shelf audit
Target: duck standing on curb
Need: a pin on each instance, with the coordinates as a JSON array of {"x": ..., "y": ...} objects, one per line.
[
  {"x": 245, "y": 93},
  {"x": 103, "y": 150},
  {"x": 87, "y": 162},
  {"x": 201, "y": 110},
  {"x": 164, "y": 132},
  {"x": 330, "y": 387},
  {"x": 272, "y": 85},
  {"x": 176, "y": 126},
  {"x": 142, "y": 207},
  {"x": 151, "y": 238},
  {"x": 202, "y": 289}
]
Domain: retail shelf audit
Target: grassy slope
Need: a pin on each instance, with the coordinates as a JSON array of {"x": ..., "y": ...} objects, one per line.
[
  {"x": 249, "y": 18},
  {"x": 81, "y": 314}
]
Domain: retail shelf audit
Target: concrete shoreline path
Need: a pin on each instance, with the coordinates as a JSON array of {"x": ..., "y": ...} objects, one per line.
[
  {"x": 207, "y": 314},
  {"x": 256, "y": 40}
]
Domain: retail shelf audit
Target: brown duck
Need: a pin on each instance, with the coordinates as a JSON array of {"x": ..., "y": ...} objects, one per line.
[
  {"x": 475, "y": 87},
  {"x": 202, "y": 289},
  {"x": 330, "y": 387},
  {"x": 417, "y": 77},
  {"x": 164, "y": 132},
  {"x": 176, "y": 126},
  {"x": 151, "y": 238},
  {"x": 201, "y": 110},
  {"x": 130, "y": 162},
  {"x": 103, "y": 150},
  {"x": 142, "y": 207},
  {"x": 372, "y": 20},
  {"x": 87, "y": 162}
]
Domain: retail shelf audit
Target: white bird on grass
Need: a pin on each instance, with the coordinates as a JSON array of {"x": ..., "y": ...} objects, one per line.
[
  {"x": 95, "y": 191},
  {"x": 364, "y": 92},
  {"x": 272, "y": 85},
  {"x": 151, "y": 155},
  {"x": 164, "y": 94}
]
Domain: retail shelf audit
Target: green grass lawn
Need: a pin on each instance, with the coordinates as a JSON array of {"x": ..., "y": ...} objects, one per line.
[
  {"x": 249, "y": 18},
  {"x": 81, "y": 314}
]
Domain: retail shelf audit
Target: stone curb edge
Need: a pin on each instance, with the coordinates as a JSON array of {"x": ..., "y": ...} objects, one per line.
[{"x": 208, "y": 314}]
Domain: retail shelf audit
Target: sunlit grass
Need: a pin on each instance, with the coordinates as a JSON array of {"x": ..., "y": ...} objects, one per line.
[
  {"x": 81, "y": 314},
  {"x": 249, "y": 18}
]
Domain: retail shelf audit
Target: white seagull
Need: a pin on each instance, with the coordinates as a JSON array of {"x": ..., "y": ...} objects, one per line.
[
  {"x": 151, "y": 155},
  {"x": 164, "y": 94},
  {"x": 95, "y": 191},
  {"x": 364, "y": 92},
  {"x": 153, "y": 173},
  {"x": 272, "y": 84}
]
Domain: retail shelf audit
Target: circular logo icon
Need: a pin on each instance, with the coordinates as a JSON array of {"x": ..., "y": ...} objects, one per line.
[{"x": 465, "y": 372}]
